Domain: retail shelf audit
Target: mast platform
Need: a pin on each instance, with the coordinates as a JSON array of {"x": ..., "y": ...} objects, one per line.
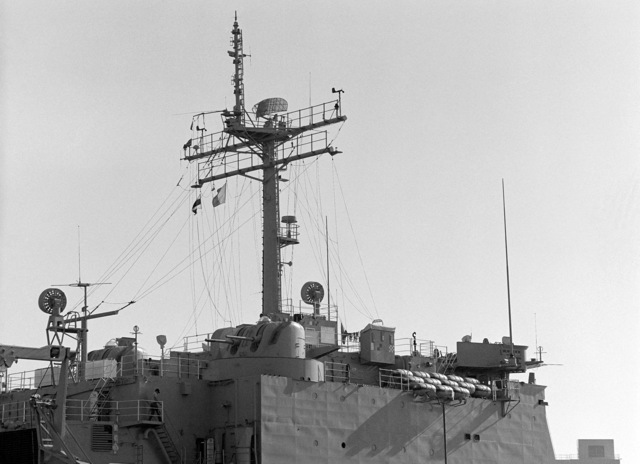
[{"x": 250, "y": 132}]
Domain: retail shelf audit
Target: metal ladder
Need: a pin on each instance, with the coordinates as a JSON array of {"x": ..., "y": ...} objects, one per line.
[
  {"x": 103, "y": 389},
  {"x": 449, "y": 361},
  {"x": 168, "y": 444}
]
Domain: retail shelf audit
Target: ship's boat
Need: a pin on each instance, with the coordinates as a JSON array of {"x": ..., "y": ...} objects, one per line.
[{"x": 293, "y": 387}]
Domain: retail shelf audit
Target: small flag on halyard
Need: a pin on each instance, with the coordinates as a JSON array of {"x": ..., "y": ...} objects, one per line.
[
  {"x": 196, "y": 206},
  {"x": 221, "y": 196}
]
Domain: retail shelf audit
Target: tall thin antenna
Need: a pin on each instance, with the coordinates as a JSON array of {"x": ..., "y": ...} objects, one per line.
[
  {"x": 326, "y": 223},
  {"x": 79, "y": 269},
  {"x": 535, "y": 326},
  {"x": 506, "y": 253}
]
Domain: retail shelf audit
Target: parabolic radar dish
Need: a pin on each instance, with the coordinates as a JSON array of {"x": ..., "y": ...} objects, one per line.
[{"x": 269, "y": 106}]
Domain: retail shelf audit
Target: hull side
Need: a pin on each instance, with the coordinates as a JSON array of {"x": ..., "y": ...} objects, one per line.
[{"x": 343, "y": 423}]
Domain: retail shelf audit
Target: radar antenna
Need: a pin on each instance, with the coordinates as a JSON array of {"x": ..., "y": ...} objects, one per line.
[
  {"x": 84, "y": 328},
  {"x": 312, "y": 293},
  {"x": 60, "y": 326},
  {"x": 52, "y": 301}
]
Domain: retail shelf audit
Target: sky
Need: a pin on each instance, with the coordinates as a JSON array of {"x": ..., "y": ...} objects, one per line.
[{"x": 444, "y": 100}]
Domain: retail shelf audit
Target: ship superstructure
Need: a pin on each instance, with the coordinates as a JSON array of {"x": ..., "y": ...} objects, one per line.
[{"x": 291, "y": 388}]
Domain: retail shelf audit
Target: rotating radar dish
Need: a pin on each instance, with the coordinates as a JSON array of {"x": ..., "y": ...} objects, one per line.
[
  {"x": 312, "y": 293},
  {"x": 269, "y": 106},
  {"x": 52, "y": 300}
]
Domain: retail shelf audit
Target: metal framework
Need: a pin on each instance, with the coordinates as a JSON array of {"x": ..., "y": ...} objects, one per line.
[{"x": 263, "y": 142}]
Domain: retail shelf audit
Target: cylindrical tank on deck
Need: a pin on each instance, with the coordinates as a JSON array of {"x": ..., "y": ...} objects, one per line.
[{"x": 116, "y": 352}]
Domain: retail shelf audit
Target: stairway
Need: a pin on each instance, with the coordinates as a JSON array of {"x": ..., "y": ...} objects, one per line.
[
  {"x": 167, "y": 443},
  {"x": 448, "y": 364},
  {"x": 103, "y": 389}
]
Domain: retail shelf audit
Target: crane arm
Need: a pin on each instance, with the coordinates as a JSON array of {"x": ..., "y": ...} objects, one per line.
[{"x": 10, "y": 354}]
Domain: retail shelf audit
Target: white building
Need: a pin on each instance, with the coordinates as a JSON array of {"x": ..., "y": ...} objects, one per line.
[{"x": 592, "y": 452}]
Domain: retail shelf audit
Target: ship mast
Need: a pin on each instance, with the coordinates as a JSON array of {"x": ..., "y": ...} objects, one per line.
[
  {"x": 255, "y": 142},
  {"x": 238, "y": 61}
]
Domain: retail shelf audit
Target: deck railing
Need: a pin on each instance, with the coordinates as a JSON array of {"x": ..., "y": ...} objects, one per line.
[
  {"x": 575, "y": 457},
  {"x": 193, "y": 343},
  {"x": 337, "y": 372},
  {"x": 35, "y": 378},
  {"x": 19, "y": 381},
  {"x": 128, "y": 411},
  {"x": 18, "y": 413},
  {"x": 391, "y": 378},
  {"x": 288, "y": 307},
  {"x": 176, "y": 366},
  {"x": 417, "y": 347},
  {"x": 505, "y": 390},
  {"x": 350, "y": 346},
  {"x": 179, "y": 367},
  {"x": 313, "y": 114}
]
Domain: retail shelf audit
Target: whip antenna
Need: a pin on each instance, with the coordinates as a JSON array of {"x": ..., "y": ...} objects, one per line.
[{"x": 506, "y": 253}]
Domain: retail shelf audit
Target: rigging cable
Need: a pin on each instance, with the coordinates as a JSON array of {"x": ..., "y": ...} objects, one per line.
[
  {"x": 335, "y": 221},
  {"x": 357, "y": 247},
  {"x": 206, "y": 287},
  {"x": 180, "y": 267},
  {"x": 134, "y": 245}
]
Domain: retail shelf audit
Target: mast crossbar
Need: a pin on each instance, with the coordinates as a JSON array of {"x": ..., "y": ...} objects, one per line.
[
  {"x": 261, "y": 167},
  {"x": 242, "y": 162}
]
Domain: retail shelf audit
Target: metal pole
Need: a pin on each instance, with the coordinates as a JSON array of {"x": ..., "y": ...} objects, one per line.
[
  {"x": 444, "y": 432},
  {"x": 326, "y": 222},
  {"x": 506, "y": 253},
  {"x": 162, "y": 361},
  {"x": 136, "y": 331},
  {"x": 270, "y": 246},
  {"x": 85, "y": 336}
]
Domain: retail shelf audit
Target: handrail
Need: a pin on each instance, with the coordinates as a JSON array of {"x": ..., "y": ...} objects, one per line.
[
  {"x": 391, "y": 378},
  {"x": 35, "y": 378},
  {"x": 193, "y": 343},
  {"x": 18, "y": 411},
  {"x": 126, "y": 411},
  {"x": 575, "y": 457},
  {"x": 180, "y": 367},
  {"x": 505, "y": 390},
  {"x": 337, "y": 372},
  {"x": 218, "y": 142},
  {"x": 415, "y": 347},
  {"x": 289, "y": 308},
  {"x": 177, "y": 366}
]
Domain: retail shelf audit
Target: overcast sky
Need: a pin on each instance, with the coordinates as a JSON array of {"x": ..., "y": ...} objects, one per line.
[{"x": 444, "y": 99}]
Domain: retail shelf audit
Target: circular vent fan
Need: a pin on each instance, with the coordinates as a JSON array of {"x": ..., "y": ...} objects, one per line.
[
  {"x": 52, "y": 299},
  {"x": 312, "y": 293}
]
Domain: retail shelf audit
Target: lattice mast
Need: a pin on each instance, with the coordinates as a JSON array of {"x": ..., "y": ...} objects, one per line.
[
  {"x": 238, "y": 77},
  {"x": 255, "y": 142}
]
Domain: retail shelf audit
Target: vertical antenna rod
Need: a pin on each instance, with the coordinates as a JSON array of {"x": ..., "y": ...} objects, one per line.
[
  {"x": 79, "y": 268},
  {"x": 535, "y": 326},
  {"x": 506, "y": 253},
  {"x": 326, "y": 224}
]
